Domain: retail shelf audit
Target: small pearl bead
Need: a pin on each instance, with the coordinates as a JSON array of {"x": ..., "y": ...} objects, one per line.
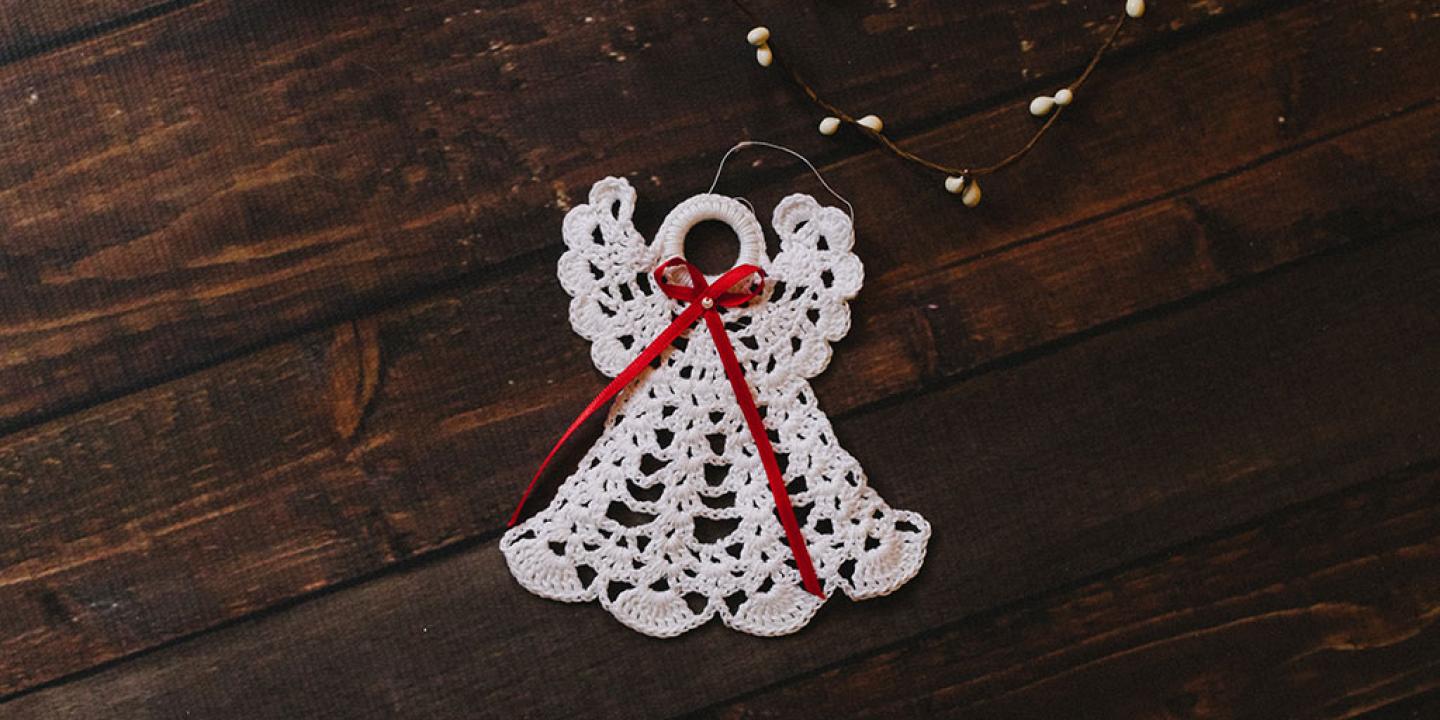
[
  {"x": 873, "y": 122},
  {"x": 1064, "y": 96},
  {"x": 1135, "y": 8},
  {"x": 758, "y": 36},
  {"x": 954, "y": 184},
  {"x": 1042, "y": 105},
  {"x": 829, "y": 126},
  {"x": 971, "y": 198},
  {"x": 764, "y": 56},
  {"x": 707, "y": 303}
]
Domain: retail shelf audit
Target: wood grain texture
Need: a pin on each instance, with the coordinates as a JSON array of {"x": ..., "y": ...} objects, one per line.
[
  {"x": 258, "y": 472},
  {"x": 1292, "y": 386},
  {"x": 166, "y": 207},
  {"x": 1328, "y": 611},
  {"x": 332, "y": 227}
]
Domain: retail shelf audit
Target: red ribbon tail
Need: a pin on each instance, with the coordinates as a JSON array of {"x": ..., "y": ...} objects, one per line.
[
  {"x": 626, "y": 376},
  {"x": 756, "y": 425}
]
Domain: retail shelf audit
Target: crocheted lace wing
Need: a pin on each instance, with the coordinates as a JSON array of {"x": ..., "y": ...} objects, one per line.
[
  {"x": 669, "y": 520},
  {"x": 805, "y": 304},
  {"x": 606, "y": 270}
]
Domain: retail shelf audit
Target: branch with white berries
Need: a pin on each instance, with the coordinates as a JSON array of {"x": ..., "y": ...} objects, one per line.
[{"x": 959, "y": 180}]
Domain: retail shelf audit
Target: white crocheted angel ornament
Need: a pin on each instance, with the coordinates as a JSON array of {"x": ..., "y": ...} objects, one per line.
[{"x": 669, "y": 520}]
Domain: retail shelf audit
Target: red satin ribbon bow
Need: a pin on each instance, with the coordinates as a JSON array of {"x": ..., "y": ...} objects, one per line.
[{"x": 703, "y": 299}]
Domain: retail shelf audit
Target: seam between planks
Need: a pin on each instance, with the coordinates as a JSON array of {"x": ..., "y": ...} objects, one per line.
[
  {"x": 1222, "y": 176},
  {"x": 1139, "y": 317},
  {"x": 69, "y": 38},
  {"x": 1427, "y": 695},
  {"x": 414, "y": 563}
]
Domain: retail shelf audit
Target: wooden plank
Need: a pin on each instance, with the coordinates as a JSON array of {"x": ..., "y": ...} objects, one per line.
[
  {"x": 276, "y": 477},
  {"x": 30, "y": 28},
  {"x": 279, "y": 199},
  {"x": 1328, "y": 611},
  {"x": 1037, "y": 475}
]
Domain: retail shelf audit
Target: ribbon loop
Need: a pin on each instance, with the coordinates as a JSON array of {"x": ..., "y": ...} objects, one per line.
[
  {"x": 702, "y": 297},
  {"x": 699, "y": 288}
]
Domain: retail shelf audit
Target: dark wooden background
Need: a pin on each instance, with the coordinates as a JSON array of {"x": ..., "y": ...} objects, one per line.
[{"x": 280, "y": 342}]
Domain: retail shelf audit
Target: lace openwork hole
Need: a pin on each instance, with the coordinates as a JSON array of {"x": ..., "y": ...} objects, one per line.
[{"x": 712, "y": 246}]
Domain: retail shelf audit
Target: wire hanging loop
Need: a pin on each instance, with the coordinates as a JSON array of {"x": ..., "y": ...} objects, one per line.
[{"x": 743, "y": 144}]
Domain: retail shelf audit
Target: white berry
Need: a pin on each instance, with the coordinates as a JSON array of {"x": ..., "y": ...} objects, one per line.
[
  {"x": 971, "y": 198},
  {"x": 764, "y": 56},
  {"x": 873, "y": 122},
  {"x": 1135, "y": 8},
  {"x": 829, "y": 126},
  {"x": 1042, "y": 105},
  {"x": 1064, "y": 96},
  {"x": 758, "y": 36},
  {"x": 954, "y": 184}
]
